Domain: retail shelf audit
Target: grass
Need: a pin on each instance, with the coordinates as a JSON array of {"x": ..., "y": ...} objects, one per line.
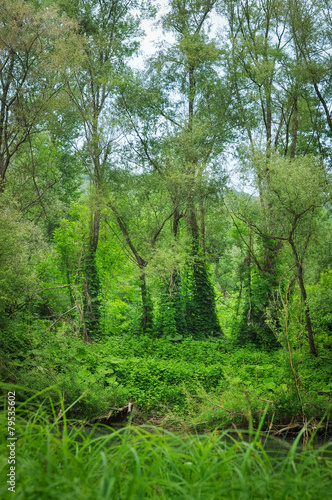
[{"x": 56, "y": 460}]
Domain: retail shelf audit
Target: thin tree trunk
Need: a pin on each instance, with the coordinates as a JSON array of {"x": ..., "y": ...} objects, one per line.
[
  {"x": 323, "y": 102},
  {"x": 294, "y": 130},
  {"x": 203, "y": 227},
  {"x": 192, "y": 91},
  {"x": 3, "y": 169},
  {"x": 72, "y": 302},
  {"x": 249, "y": 322},
  {"x": 94, "y": 232},
  {"x": 146, "y": 313},
  {"x": 176, "y": 220},
  {"x": 194, "y": 230},
  {"x": 307, "y": 312},
  {"x": 146, "y": 305},
  {"x": 304, "y": 298},
  {"x": 268, "y": 123}
]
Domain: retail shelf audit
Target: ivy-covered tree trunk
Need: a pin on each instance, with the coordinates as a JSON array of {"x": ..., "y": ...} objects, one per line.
[
  {"x": 166, "y": 322},
  {"x": 147, "y": 308},
  {"x": 262, "y": 286},
  {"x": 202, "y": 308},
  {"x": 172, "y": 320},
  {"x": 175, "y": 290},
  {"x": 91, "y": 284},
  {"x": 204, "y": 305}
]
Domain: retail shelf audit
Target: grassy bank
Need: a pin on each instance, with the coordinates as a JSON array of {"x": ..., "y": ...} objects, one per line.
[
  {"x": 55, "y": 460},
  {"x": 177, "y": 383}
]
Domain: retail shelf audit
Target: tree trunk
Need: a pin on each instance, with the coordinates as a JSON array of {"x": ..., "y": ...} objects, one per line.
[
  {"x": 91, "y": 286},
  {"x": 304, "y": 298},
  {"x": 176, "y": 220},
  {"x": 268, "y": 124},
  {"x": 146, "y": 306},
  {"x": 3, "y": 169},
  {"x": 203, "y": 227},
  {"x": 202, "y": 309},
  {"x": 295, "y": 129},
  {"x": 194, "y": 230},
  {"x": 94, "y": 230},
  {"x": 307, "y": 312}
]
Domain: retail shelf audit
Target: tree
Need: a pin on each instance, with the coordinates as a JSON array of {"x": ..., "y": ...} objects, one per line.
[
  {"x": 44, "y": 178},
  {"x": 279, "y": 114},
  {"x": 28, "y": 76},
  {"x": 187, "y": 102},
  {"x": 295, "y": 189},
  {"x": 107, "y": 38},
  {"x": 311, "y": 28},
  {"x": 141, "y": 215},
  {"x": 21, "y": 248}
]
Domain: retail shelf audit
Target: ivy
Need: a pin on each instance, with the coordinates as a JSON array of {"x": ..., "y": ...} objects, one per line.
[{"x": 201, "y": 308}]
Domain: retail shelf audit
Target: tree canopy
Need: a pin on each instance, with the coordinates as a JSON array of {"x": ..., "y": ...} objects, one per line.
[{"x": 186, "y": 199}]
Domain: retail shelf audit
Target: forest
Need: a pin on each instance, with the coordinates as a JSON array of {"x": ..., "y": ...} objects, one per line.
[{"x": 165, "y": 247}]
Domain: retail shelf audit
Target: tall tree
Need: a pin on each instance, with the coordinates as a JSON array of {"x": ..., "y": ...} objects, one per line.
[
  {"x": 296, "y": 189},
  {"x": 275, "y": 109},
  {"x": 141, "y": 212},
  {"x": 28, "y": 78},
  {"x": 310, "y": 24},
  {"x": 108, "y": 31},
  {"x": 187, "y": 102}
]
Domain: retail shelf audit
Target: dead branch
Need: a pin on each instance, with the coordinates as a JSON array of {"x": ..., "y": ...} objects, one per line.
[{"x": 62, "y": 315}]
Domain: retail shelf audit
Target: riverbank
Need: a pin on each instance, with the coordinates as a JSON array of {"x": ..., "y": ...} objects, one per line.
[{"x": 132, "y": 463}]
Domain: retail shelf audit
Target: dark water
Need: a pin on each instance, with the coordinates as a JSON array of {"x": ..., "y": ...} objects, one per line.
[{"x": 273, "y": 445}]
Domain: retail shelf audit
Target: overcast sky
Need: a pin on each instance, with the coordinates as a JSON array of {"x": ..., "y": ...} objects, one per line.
[{"x": 154, "y": 34}]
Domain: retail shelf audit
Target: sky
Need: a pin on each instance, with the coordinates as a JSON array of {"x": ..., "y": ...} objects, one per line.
[{"x": 153, "y": 35}]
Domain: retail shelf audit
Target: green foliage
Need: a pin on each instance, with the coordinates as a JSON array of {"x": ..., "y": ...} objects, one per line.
[
  {"x": 45, "y": 179},
  {"x": 148, "y": 254},
  {"x": 166, "y": 322},
  {"x": 261, "y": 297},
  {"x": 191, "y": 381},
  {"x": 21, "y": 247},
  {"x": 320, "y": 304}
]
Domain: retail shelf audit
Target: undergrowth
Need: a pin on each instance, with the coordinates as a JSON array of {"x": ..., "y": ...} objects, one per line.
[{"x": 197, "y": 381}]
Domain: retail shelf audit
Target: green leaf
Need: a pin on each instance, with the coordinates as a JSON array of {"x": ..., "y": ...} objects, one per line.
[{"x": 175, "y": 338}]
